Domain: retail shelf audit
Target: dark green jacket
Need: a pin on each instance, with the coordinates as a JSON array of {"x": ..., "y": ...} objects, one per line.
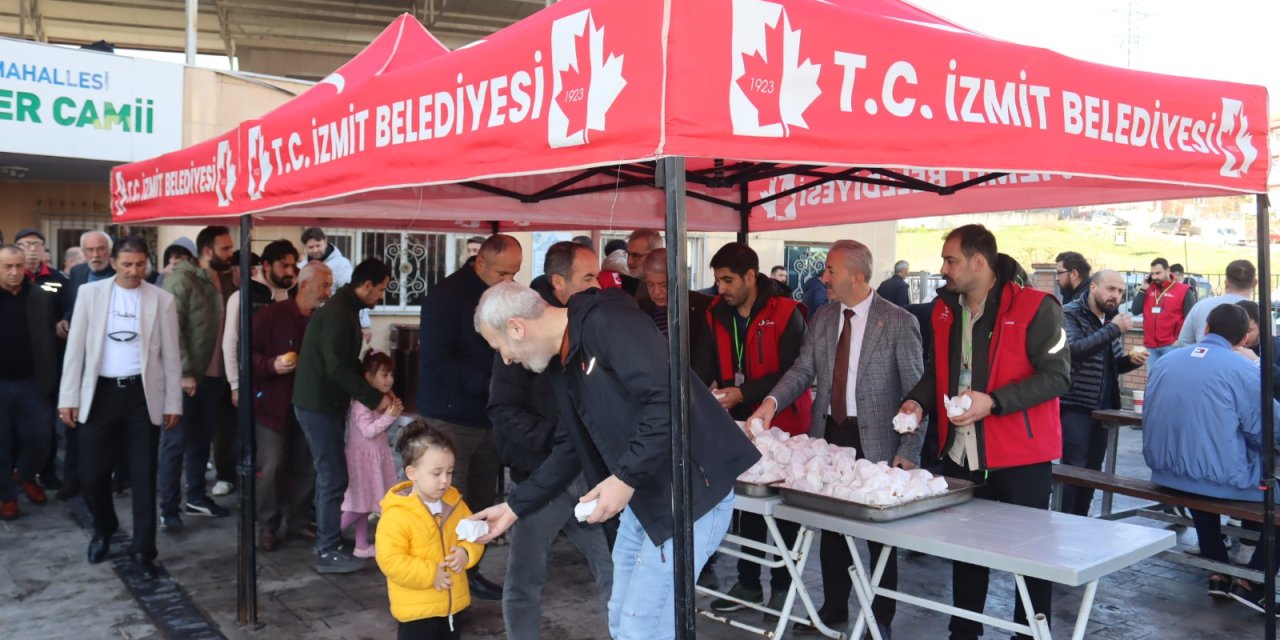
[
  {"x": 329, "y": 374},
  {"x": 199, "y": 316}
]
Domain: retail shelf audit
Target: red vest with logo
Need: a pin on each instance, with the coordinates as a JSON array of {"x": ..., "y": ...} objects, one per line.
[
  {"x": 760, "y": 356},
  {"x": 1162, "y": 329},
  {"x": 1017, "y": 438}
]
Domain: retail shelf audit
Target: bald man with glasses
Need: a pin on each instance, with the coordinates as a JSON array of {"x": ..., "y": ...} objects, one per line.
[{"x": 121, "y": 384}]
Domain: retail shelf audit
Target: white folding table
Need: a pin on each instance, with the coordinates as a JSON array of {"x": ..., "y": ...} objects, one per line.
[
  {"x": 1029, "y": 543},
  {"x": 771, "y": 554}
]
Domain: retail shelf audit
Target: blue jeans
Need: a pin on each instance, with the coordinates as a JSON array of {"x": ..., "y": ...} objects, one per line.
[
  {"x": 24, "y": 414},
  {"x": 187, "y": 446},
  {"x": 325, "y": 438},
  {"x": 1155, "y": 353},
  {"x": 643, "y": 603}
]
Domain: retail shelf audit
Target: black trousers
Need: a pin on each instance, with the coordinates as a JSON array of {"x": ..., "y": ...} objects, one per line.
[
  {"x": 752, "y": 527},
  {"x": 119, "y": 425},
  {"x": 836, "y": 557},
  {"x": 427, "y": 629},
  {"x": 1084, "y": 444},
  {"x": 1028, "y": 486}
]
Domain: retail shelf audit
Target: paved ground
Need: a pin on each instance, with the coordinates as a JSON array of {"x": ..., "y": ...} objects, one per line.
[{"x": 49, "y": 591}]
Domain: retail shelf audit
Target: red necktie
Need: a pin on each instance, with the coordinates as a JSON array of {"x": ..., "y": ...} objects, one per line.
[{"x": 840, "y": 376}]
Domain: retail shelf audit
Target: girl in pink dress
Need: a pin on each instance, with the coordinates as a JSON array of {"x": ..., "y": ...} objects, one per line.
[{"x": 371, "y": 471}]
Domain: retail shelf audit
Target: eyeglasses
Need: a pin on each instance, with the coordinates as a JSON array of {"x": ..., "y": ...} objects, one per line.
[
  {"x": 1060, "y": 272},
  {"x": 30, "y": 244},
  {"x": 122, "y": 336}
]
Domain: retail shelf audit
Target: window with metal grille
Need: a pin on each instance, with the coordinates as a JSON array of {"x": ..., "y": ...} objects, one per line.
[{"x": 417, "y": 261}]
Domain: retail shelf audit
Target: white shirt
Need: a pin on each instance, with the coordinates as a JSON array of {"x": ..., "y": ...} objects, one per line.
[
  {"x": 964, "y": 451},
  {"x": 436, "y": 507},
  {"x": 858, "y": 324},
  {"x": 122, "y": 349}
]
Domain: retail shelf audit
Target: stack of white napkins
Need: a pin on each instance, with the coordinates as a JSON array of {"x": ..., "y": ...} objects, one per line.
[
  {"x": 472, "y": 530},
  {"x": 583, "y": 510}
]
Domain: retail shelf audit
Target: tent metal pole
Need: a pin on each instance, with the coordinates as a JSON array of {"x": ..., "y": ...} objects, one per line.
[
  {"x": 744, "y": 211},
  {"x": 1268, "y": 485},
  {"x": 678, "y": 331},
  {"x": 247, "y": 570}
]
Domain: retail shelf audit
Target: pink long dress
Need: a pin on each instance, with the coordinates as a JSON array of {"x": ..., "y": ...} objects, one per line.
[{"x": 371, "y": 471}]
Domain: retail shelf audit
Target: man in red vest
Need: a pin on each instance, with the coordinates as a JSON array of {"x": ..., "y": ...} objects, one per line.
[
  {"x": 1164, "y": 303},
  {"x": 755, "y": 335},
  {"x": 1002, "y": 346}
]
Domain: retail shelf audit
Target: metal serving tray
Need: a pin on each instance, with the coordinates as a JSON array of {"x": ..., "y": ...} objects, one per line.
[
  {"x": 958, "y": 491},
  {"x": 754, "y": 490}
]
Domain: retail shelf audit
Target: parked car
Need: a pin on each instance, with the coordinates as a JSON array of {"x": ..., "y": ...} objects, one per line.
[
  {"x": 1107, "y": 219},
  {"x": 1228, "y": 237},
  {"x": 1175, "y": 226}
]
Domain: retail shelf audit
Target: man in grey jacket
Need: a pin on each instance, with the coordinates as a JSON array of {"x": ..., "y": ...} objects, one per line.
[{"x": 865, "y": 354}]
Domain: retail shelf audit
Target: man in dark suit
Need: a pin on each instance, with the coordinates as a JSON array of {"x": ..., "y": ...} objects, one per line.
[
  {"x": 864, "y": 353},
  {"x": 894, "y": 288}
]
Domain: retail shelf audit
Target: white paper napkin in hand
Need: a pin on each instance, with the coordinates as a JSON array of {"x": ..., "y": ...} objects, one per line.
[
  {"x": 905, "y": 423},
  {"x": 472, "y": 530},
  {"x": 583, "y": 510},
  {"x": 957, "y": 405}
]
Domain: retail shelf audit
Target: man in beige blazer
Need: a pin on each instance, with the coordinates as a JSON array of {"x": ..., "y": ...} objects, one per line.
[{"x": 120, "y": 381}]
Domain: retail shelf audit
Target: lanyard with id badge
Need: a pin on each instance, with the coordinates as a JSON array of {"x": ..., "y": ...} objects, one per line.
[
  {"x": 739, "y": 350},
  {"x": 966, "y": 355},
  {"x": 1156, "y": 307}
]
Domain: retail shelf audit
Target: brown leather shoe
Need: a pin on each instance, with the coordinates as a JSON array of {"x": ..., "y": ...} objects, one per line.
[
  {"x": 267, "y": 540},
  {"x": 68, "y": 491},
  {"x": 8, "y": 510},
  {"x": 35, "y": 493}
]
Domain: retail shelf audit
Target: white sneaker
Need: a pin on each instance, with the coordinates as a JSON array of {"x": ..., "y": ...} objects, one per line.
[{"x": 222, "y": 488}]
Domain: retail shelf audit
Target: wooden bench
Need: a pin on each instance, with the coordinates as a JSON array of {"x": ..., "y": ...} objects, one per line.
[{"x": 1147, "y": 490}]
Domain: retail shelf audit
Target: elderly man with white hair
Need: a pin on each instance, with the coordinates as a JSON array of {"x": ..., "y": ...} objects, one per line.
[
  {"x": 608, "y": 362},
  {"x": 95, "y": 246}
]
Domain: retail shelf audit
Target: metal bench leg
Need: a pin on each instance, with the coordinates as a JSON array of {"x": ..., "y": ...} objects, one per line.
[
  {"x": 1113, "y": 445},
  {"x": 1038, "y": 623},
  {"x": 864, "y": 587},
  {"x": 1086, "y": 607},
  {"x": 1055, "y": 497}
]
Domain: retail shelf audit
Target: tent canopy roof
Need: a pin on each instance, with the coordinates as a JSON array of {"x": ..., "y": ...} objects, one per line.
[{"x": 791, "y": 112}]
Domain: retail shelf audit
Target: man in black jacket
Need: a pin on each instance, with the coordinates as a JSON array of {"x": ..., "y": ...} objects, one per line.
[
  {"x": 895, "y": 288},
  {"x": 1073, "y": 273},
  {"x": 1095, "y": 336},
  {"x": 453, "y": 386},
  {"x": 522, "y": 407},
  {"x": 29, "y": 366},
  {"x": 609, "y": 367}
]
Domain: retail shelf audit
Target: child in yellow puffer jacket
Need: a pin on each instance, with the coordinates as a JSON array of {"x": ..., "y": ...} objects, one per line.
[{"x": 418, "y": 547}]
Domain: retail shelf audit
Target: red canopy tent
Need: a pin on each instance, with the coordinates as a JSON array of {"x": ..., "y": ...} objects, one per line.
[
  {"x": 542, "y": 124},
  {"x": 714, "y": 115}
]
